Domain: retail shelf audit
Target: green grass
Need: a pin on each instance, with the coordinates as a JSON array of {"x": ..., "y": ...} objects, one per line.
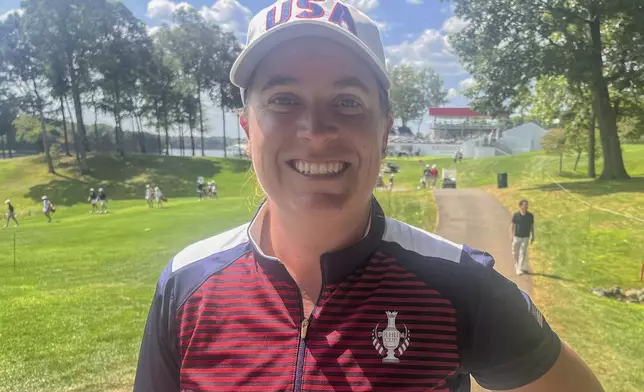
[
  {"x": 73, "y": 309},
  {"x": 578, "y": 248}
]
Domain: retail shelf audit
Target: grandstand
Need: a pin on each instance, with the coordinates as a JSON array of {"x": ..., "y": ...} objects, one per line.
[{"x": 473, "y": 134}]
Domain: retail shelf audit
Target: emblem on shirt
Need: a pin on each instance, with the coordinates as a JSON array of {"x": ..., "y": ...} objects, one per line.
[{"x": 390, "y": 342}]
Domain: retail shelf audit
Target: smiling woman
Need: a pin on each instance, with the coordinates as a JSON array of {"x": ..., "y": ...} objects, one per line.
[{"x": 321, "y": 277}]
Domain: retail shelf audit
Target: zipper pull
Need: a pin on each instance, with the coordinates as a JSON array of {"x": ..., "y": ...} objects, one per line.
[{"x": 305, "y": 327}]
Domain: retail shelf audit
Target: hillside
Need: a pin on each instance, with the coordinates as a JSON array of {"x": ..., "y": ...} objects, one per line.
[{"x": 25, "y": 179}]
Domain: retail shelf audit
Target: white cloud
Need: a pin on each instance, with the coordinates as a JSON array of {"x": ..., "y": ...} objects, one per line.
[
  {"x": 454, "y": 24},
  {"x": 466, "y": 84},
  {"x": 163, "y": 9},
  {"x": 452, "y": 94},
  {"x": 415, "y": 2},
  {"x": 229, "y": 14},
  {"x": 18, "y": 11},
  {"x": 363, "y": 5},
  {"x": 430, "y": 48}
]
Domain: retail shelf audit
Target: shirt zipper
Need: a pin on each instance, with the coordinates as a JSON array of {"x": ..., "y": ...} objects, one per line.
[{"x": 304, "y": 327}]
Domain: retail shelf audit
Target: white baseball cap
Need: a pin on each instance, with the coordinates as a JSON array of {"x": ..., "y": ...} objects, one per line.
[
  {"x": 7, "y": 201},
  {"x": 330, "y": 19}
]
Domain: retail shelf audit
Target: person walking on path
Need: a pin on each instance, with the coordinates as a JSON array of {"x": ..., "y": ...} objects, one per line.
[
  {"x": 11, "y": 213},
  {"x": 522, "y": 233},
  {"x": 322, "y": 291},
  {"x": 93, "y": 199}
]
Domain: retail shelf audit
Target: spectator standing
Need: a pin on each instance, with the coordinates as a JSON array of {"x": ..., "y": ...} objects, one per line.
[{"x": 433, "y": 172}]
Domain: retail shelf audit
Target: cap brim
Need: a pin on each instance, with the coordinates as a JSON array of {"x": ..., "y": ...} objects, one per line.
[{"x": 252, "y": 55}]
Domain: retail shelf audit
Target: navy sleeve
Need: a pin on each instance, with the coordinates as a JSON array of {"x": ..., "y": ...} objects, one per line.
[
  {"x": 470, "y": 255},
  {"x": 514, "y": 218},
  {"x": 159, "y": 360},
  {"x": 512, "y": 344}
]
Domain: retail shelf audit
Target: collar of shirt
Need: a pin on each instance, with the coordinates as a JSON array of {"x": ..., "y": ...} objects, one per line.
[{"x": 335, "y": 265}]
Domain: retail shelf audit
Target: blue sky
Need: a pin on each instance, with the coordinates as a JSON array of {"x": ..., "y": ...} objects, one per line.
[{"x": 413, "y": 31}]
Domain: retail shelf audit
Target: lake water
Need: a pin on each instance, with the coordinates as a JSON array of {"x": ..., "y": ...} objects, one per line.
[{"x": 209, "y": 153}]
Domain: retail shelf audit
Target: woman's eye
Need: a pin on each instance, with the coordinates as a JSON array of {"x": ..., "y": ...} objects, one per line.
[
  {"x": 348, "y": 103},
  {"x": 283, "y": 100}
]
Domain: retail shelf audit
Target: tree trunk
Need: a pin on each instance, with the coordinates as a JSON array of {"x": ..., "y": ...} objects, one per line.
[
  {"x": 3, "y": 139},
  {"x": 591, "y": 147},
  {"x": 192, "y": 139},
  {"x": 117, "y": 118},
  {"x": 62, "y": 110},
  {"x": 139, "y": 123},
  {"x": 118, "y": 131},
  {"x": 201, "y": 130},
  {"x": 96, "y": 136},
  {"x": 78, "y": 108},
  {"x": 159, "y": 138},
  {"x": 223, "y": 122},
  {"x": 181, "y": 143},
  {"x": 167, "y": 133},
  {"x": 74, "y": 135},
  {"x": 422, "y": 118},
  {"x": 83, "y": 144},
  {"x": 136, "y": 135},
  {"x": 611, "y": 149},
  {"x": 43, "y": 131},
  {"x": 574, "y": 169},
  {"x": 10, "y": 138},
  {"x": 157, "y": 114}
]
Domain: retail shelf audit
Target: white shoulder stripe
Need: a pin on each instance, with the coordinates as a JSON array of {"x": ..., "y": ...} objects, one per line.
[
  {"x": 210, "y": 246},
  {"x": 420, "y": 241}
]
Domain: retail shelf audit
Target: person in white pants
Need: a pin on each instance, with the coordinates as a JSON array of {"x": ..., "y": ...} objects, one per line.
[{"x": 522, "y": 233}]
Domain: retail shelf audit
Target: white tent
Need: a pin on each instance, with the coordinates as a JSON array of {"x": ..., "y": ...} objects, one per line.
[{"x": 524, "y": 138}]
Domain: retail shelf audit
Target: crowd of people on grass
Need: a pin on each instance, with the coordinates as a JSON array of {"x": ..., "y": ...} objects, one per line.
[
  {"x": 206, "y": 189},
  {"x": 98, "y": 200}
]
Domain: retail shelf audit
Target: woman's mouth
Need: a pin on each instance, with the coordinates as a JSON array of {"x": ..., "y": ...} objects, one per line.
[{"x": 325, "y": 168}]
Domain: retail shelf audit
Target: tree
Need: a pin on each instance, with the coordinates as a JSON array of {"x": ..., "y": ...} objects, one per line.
[
  {"x": 224, "y": 93},
  {"x": 554, "y": 142},
  {"x": 413, "y": 92},
  {"x": 407, "y": 99},
  {"x": 554, "y": 102},
  {"x": 161, "y": 85},
  {"x": 434, "y": 93},
  {"x": 197, "y": 45},
  {"x": 511, "y": 43},
  {"x": 22, "y": 63},
  {"x": 8, "y": 113},
  {"x": 66, "y": 31},
  {"x": 122, "y": 47}
]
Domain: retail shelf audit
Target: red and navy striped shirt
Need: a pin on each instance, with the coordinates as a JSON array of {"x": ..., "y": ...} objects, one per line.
[{"x": 402, "y": 310}]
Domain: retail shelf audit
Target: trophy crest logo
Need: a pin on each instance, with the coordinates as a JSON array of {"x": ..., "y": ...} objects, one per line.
[{"x": 390, "y": 342}]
